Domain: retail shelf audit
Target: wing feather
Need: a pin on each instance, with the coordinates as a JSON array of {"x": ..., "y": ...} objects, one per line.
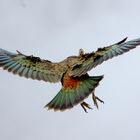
[
  {"x": 103, "y": 54},
  {"x": 31, "y": 67}
]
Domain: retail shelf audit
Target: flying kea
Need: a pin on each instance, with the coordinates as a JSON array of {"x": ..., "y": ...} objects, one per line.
[{"x": 77, "y": 85}]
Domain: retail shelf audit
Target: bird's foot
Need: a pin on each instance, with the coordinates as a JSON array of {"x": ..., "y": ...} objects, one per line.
[
  {"x": 95, "y": 98},
  {"x": 85, "y": 105}
]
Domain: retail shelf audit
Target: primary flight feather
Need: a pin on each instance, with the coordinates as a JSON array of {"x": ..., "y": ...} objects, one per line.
[{"x": 71, "y": 72}]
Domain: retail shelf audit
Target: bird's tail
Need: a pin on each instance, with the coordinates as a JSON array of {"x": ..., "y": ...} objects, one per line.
[{"x": 74, "y": 91}]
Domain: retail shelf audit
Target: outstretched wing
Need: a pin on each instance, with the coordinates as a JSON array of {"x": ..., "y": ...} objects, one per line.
[
  {"x": 103, "y": 54},
  {"x": 30, "y": 66}
]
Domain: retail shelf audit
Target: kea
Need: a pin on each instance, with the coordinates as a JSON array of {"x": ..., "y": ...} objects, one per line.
[{"x": 72, "y": 72}]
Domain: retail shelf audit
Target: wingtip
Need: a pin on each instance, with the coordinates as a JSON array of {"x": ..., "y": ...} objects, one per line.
[
  {"x": 18, "y": 52},
  {"x": 122, "y": 41}
]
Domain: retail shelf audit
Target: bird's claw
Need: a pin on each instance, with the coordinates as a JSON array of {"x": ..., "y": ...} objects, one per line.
[
  {"x": 85, "y": 105},
  {"x": 95, "y": 98}
]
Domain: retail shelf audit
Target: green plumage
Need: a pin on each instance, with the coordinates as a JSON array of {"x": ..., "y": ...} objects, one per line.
[
  {"x": 68, "y": 97},
  {"x": 72, "y": 72}
]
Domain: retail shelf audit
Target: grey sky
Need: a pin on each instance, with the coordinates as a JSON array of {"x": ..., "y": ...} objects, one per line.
[{"x": 55, "y": 29}]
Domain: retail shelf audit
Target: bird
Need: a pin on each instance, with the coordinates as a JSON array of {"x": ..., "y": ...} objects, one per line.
[{"x": 72, "y": 72}]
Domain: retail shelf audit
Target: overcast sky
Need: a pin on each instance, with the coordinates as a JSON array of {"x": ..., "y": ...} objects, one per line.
[{"x": 53, "y": 30}]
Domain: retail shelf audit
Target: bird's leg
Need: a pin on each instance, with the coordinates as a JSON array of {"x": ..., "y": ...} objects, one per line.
[
  {"x": 85, "y": 105},
  {"x": 95, "y": 98}
]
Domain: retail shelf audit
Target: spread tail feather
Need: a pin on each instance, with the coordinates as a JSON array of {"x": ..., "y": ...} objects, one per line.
[{"x": 73, "y": 94}]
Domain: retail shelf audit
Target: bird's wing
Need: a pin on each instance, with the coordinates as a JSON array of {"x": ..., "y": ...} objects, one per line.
[
  {"x": 30, "y": 66},
  {"x": 102, "y": 54}
]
